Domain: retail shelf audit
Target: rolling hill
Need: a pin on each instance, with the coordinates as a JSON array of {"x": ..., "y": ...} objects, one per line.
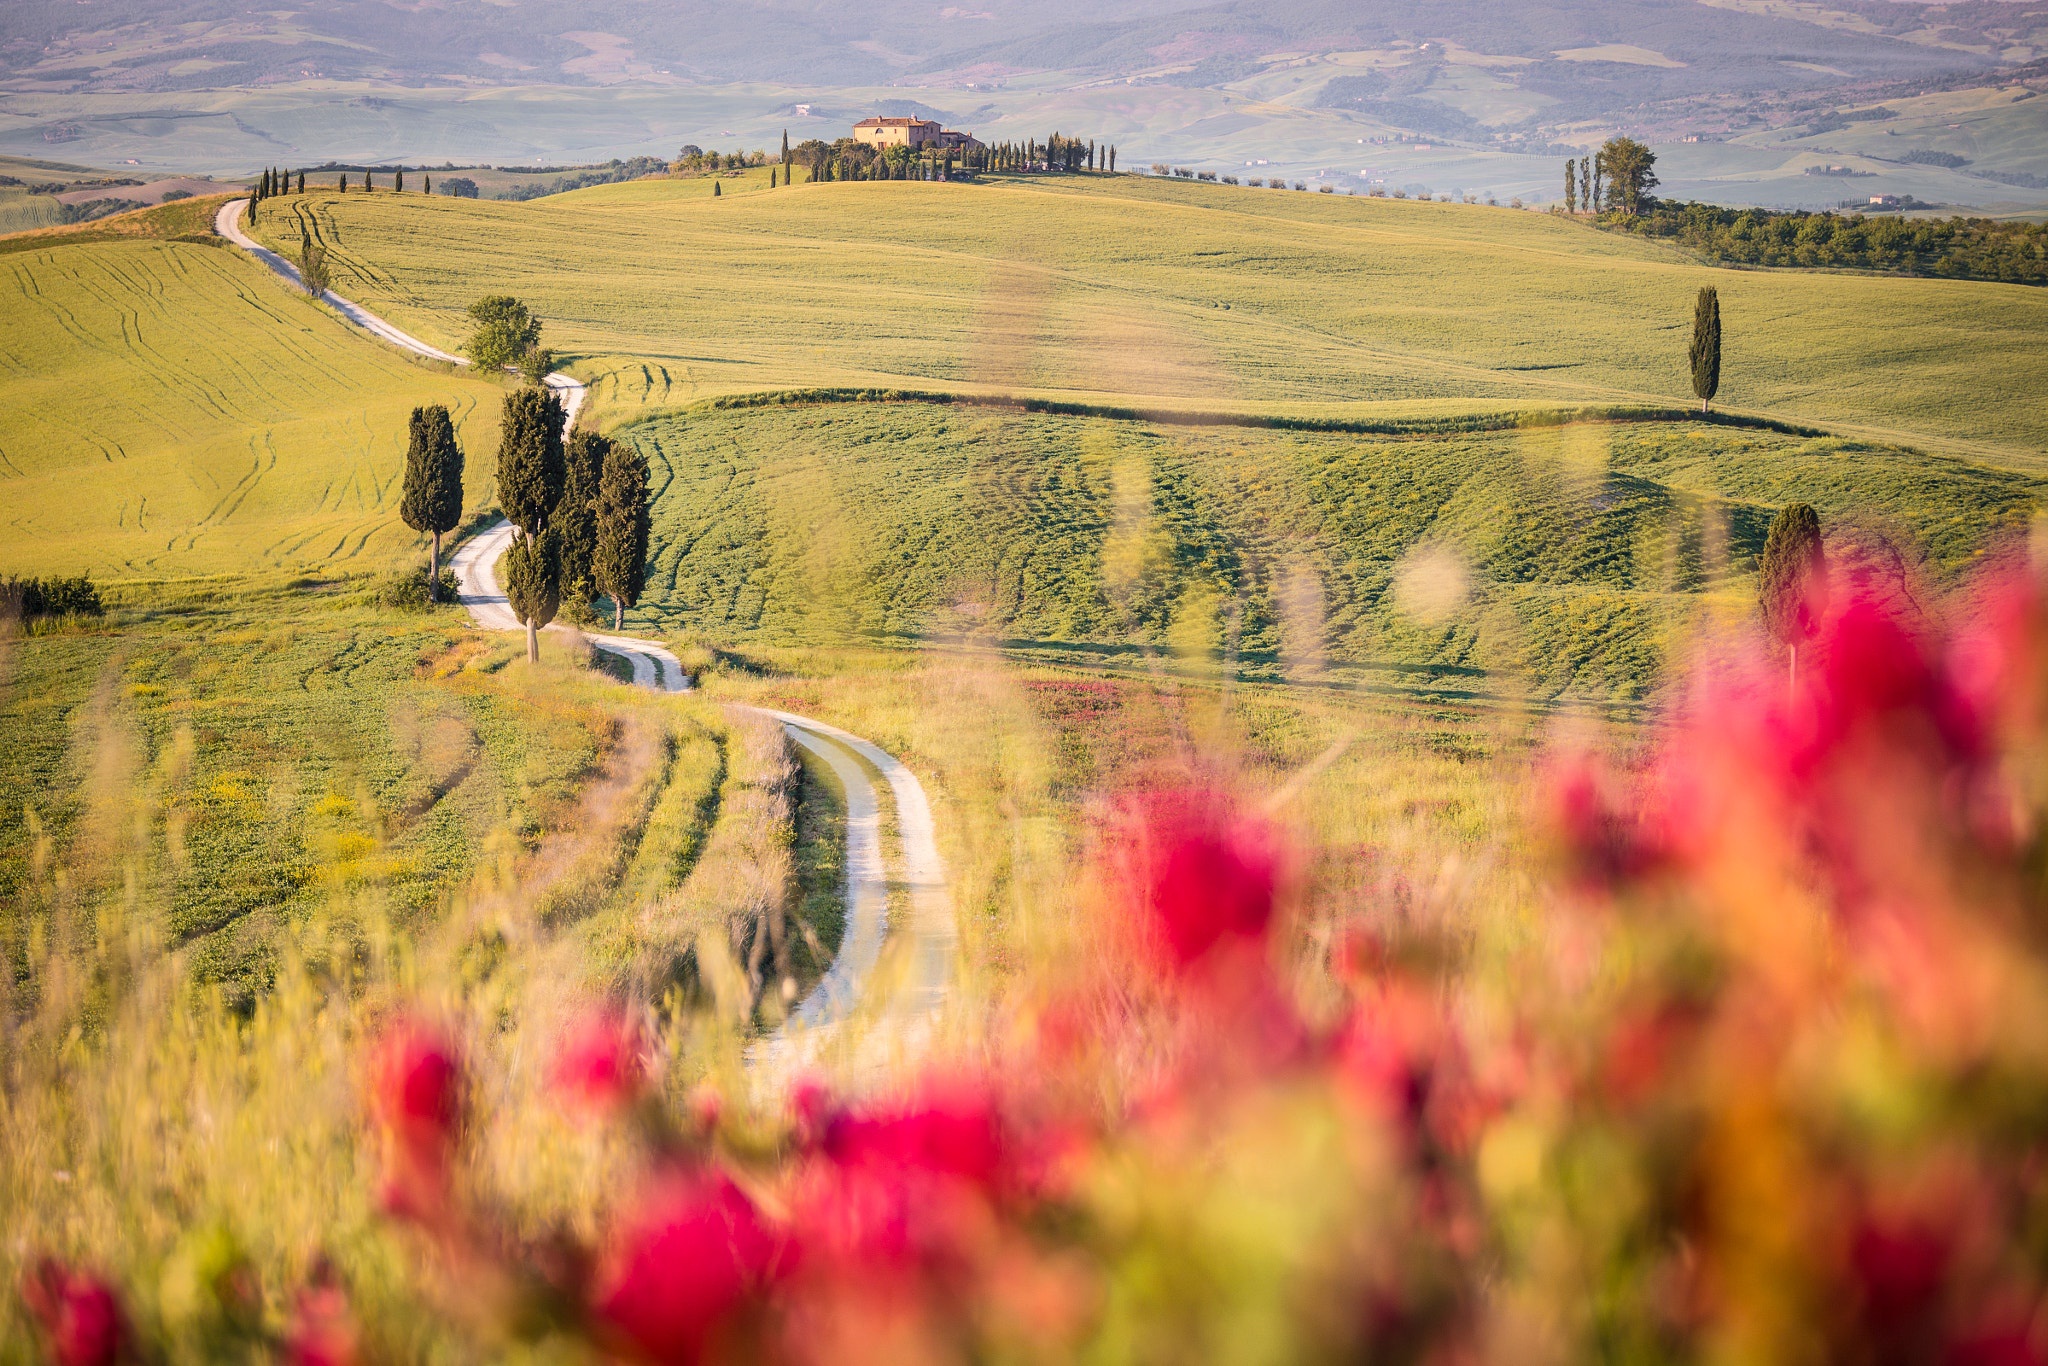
[
  {"x": 1130, "y": 290},
  {"x": 172, "y": 409}
]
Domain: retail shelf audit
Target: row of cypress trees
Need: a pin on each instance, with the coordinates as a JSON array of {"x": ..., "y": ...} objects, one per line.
[
  {"x": 1056, "y": 153},
  {"x": 580, "y": 507},
  {"x": 277, "y": 181}
]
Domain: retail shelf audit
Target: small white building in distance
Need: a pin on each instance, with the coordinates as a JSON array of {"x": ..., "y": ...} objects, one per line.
[{"x": 911, "y": 133}]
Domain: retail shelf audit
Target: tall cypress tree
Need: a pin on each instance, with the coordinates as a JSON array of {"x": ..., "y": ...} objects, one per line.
[
  {"x": 1706, "y": 346},
  {"x": 715, "y": 190},
  {"x": 398, "y": 181},
  {"x": 531, "y": 472},
  {"x": 785, "y": 150},
  {"x": 620, "y": 562},
  {"x": 1792, "y": 580},
  {"x": 576, "y": 517},
  {"x": 531, "y": 465},
  {"x": 533, "y": 584},
  {"x": 302, "y": 182},
  {"x": 1585, "y": 184},
  {"x": 426, "y": 185},
  {"x": 433, "y": 484},
  {"x": 1571, "y": 185}
]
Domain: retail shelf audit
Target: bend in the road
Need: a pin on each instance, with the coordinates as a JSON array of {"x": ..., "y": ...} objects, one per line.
[{"x": 656, "y": 667}]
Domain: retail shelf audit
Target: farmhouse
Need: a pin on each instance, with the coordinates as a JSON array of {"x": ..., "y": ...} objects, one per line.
[{"x": 912, "y": 133}]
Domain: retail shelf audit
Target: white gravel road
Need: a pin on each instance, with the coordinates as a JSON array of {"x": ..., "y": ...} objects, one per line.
[{"x": 934, "y": 943}]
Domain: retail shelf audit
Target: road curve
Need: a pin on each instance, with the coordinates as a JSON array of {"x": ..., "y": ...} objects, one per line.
[{"x": 837, "y": 995}]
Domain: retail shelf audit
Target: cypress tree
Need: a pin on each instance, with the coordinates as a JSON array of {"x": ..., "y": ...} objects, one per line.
[
  {"x": 342, "y": 186},
  {"x": 1706, "y": 346},
  {"x": 1571, "y": 185},
  {"x": 302, "y": 182},
  {"x": 1586, "y": 184},
  {"x": 533, "y": 584},
  {"x": 620, "y": 562},
  {"x": 433, "y": 484},
  {"x": 398, "y": 181},
  {"x": 1792, "y": 580},
  {"x": 531, "y": 472},
  {"x": 531, "y": 464},
  {"x": 426, "y": 184},
  {"x": 715, "y": 190},
  {"x": 785, "y": 150},
  {"x": 576, "y": 517}
]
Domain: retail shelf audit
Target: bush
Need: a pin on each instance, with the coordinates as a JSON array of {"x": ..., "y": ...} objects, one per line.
[
  {"x": 27, "y": 599},
  {"x": 407, "y": 591}
]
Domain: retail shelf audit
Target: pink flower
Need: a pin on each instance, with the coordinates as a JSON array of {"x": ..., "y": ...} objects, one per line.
[
  {"x": 79, "y": 1314},
  {"x": 416, "y": 1094},
  {"x": 681, "y": 1277},
  {"x": 322, "y": 1331},
  {"x": 601, "y": 1065},
  {"x": 1205, "y": 880}
]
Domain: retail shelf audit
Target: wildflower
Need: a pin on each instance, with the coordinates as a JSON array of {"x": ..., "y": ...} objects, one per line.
[
  {"x": 680, "y": 1279},
  {"x": 600, "y": 1065},
  {"x": 322, "y": 1330},
  {"x": 79, "y": 1314},
  {"x": 416, "y": 1094},
  {"x": 1206, "y": 881}
]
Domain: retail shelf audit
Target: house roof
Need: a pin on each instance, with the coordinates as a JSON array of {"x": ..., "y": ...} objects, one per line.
[{"x": 896, "y": 123}]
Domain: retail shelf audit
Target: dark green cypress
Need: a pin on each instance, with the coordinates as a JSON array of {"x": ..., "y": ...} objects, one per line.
[
  {"x": 576, "y": 517},
  {"x": 302, "y": 182},
  {"x": 1792, "y": 580},
  {"x": 620, "y": 563},
  {"x": 1706, "y": 346},
  {"x": 533, "y": 584},
  {"x": 715, "y": 190},
  {"x": 433, "y": 484},
  {"x": 398, "y": 181},
  {"x": 531, "y": 465}
]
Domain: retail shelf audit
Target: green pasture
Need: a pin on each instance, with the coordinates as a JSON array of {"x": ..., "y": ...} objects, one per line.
[
  {"x": 173, "y": 408},
  {"x": 1179, "y": 294},
  {"x": 1561, "y": 560}
]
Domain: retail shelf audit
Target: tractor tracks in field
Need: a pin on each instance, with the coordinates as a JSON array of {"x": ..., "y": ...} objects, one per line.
[{"x": 899, "y": 1015}]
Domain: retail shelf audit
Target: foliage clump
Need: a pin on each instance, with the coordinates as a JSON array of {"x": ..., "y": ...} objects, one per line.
[{"x": 28, "y": 599}]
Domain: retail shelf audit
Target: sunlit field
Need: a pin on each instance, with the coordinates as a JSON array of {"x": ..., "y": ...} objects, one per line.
[
  {"x": 1398, "y": 896},
  {"x": 1202, "y": 297}
]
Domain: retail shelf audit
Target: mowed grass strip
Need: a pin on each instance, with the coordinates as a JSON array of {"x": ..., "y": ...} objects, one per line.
[
  {"x": 1143, "y": 291},
  {"x": 1570, "y": 558},
  {"x": 172, "y": 408}
]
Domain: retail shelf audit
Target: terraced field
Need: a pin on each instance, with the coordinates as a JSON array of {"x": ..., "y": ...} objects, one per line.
[
  {"x": 171, "y": 408},
  {"x": 1571, "y": 557},
  {"x": 1137, "y": 291}
]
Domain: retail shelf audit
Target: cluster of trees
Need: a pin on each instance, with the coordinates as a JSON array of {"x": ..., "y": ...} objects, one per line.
[
  {"x": 694, "y": 160},
  {"x": 850, "y": 159},
  {"x": 27, "y": 599},
  {"x": 1056, "y": 153},
  {"x": 1952, "y": 248},
  {"x": 1616, "y": 179},
  {"x": 581, "y": 512},
  {"x": 507, "y": 336},
  {"x": 580, "y": 507}
]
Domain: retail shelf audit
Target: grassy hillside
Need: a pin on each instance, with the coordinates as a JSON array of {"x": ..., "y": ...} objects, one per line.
[
  {"x": 173, "y": 408},
  {"x": 1200, "y": 295},
  {"x": 1571, "y": 557}
]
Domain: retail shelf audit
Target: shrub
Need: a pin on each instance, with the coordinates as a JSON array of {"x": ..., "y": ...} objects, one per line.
[
  {"x": 27, "y": 599},
  {"x": 406, "y": 591}
]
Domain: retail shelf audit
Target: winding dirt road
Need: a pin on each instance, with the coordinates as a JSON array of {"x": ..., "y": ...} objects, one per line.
[{"x": 915, "y": 999}]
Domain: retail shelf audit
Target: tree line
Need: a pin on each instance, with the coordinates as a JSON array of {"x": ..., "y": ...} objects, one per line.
[
  {"x": 1952, "y": 248},
  {"x": 848, "y": 158},
  {"x": 1612, "y": 187}
]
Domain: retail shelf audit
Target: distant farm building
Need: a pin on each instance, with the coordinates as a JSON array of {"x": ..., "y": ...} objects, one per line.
[{"x": 912, "y": 133}]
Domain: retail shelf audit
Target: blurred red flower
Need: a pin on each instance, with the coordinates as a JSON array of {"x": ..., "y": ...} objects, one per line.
[
  {"x": 601, "y": 1064},
  {"x": 79, "y": 1315},
  {"x": 680, "y": 1276},
  {"x": 416, "y": 1094},
  {"x": 1204, "y": 878}
]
